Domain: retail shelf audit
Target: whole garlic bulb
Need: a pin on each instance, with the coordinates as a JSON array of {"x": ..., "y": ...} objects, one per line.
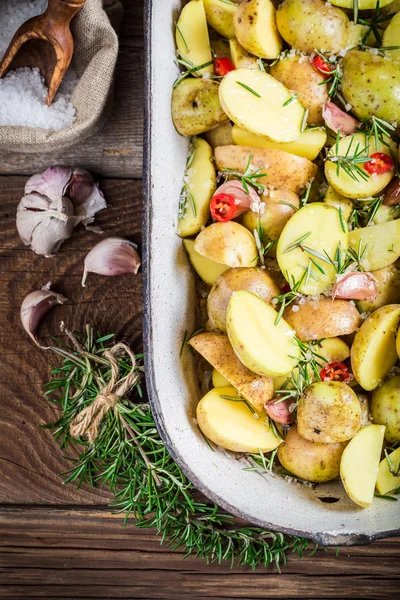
[
  {"x": 44, "y": 224},
  {"x": 55, "y": 202}
]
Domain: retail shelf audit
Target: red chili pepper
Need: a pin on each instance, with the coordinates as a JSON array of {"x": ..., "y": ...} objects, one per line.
[
  {"x": 335, "y": 371},
  {"x": 223, "y": 66},
  {"x": 321, "y": 66},
  {"x": 222, "y": 207},
  {"x": 380, "y": 163}
]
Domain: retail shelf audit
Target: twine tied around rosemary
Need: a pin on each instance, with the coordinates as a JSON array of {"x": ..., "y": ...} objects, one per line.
[{"x": 87, "y": 422}]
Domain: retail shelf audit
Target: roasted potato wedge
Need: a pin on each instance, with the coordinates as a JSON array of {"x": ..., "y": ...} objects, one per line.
[
  {"x": 227, "y": 243},
  {"x": 282, "y": 170},
  {"x": 217, "y": 350},
  {"x": 324, "y": 318}
]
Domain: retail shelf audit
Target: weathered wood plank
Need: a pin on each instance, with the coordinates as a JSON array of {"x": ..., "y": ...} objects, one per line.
[
  {"x": 29, "y": 460},
  {"x": 86, "y": 554},
  {"x": 117, "y": 150}
]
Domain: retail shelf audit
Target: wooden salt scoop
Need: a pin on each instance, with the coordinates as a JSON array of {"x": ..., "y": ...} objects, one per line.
[{"x": 45, "y": 42}]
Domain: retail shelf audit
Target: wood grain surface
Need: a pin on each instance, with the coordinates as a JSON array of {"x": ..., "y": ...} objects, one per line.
[{"x": 59, "y": 542}]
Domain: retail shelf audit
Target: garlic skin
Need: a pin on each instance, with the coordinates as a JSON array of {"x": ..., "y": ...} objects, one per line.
[
  {"x": 35, "y": 306},
  {"x": 85, "y": 195},
  {"x": 44, "y": 224},
  {"x": 113, "y": 256},
  {"x": 55, "y": 202}
]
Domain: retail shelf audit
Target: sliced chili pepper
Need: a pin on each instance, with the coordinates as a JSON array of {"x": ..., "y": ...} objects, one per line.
[
  {"x": 335, "y": 371},
  {"x": 379, "y": 163},
  {"x": 223, "y": 66},
  {"x": 222, "y": 207},
  {"x": 321, "y": 66}
]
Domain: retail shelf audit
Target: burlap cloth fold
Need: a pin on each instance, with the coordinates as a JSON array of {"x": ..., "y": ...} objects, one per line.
[{"x": 96, "y": 51}]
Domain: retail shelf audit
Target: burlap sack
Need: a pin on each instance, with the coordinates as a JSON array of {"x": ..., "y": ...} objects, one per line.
[{"x": 96, "y": 50}]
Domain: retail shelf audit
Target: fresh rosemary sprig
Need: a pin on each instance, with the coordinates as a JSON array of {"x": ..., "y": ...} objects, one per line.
[
  {"x": 394, "y": 471},
  {"x": 263, "y": 245},
  {"x": 130, "y": 458},
  {"x": 306, "y": 372},
  {"x": 380, "y": 130},
  {"x": 364, "y": 211},
  {"x": 187, "y": 337},
  {"x": 186, "y": 196},
  {"x": 287, "y": 298},
  {"x": 374, "y": 24},
  {"x": 350, "y": 162},
  {"x": 248, "y": 177},
  {"x": 335, "y": 75},
  {"x": 304, "y": 198},
  {"x": 191, "y": 68}
]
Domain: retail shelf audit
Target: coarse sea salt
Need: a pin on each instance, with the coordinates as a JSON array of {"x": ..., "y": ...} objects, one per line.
[{"x": 23, "y": 92}]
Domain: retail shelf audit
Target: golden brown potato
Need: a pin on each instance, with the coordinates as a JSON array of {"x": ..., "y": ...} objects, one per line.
[
  {"x": 328, "y": 413},
  {"x": 257, "y": 281},
  {"x": 387, "y": 282},
  {"x": 282, "y": 170},
  {"x": 217, "y": 350},
  {"x": 327, "y": 318},
  {"x": 299, "y": 76},
  {"x": 277, "y": 212},
  {"x": 385, "y": 408},
  {"x": 311, "y": 461}
]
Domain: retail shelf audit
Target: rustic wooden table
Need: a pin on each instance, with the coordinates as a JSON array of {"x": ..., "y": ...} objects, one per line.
[{"x": 55, "y": 541}]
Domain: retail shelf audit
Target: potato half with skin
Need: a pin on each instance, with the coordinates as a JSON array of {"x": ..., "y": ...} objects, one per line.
[
  {"x": 192, "y": 38},
  {"x": 240, "y": 57},
  {"x": 227, "y": 243},
  {"x": 387, "y": 281},
  {"x": 381, "y": 77},
  {"x": 314, "y": 231},
  {"x": 264, "y": 346},
  {"x": 391, "y": 37},
  {"x": 373, "y": 352},
  {"x": 310, "y": 25},
  {"x": 196, "y": 107},
  {"x": 328, "y": 413},
  {"x": 208, "y": 270},
  {"x": 385, "y": 408},
  {"x": 333, "y": 198},
  {"x": 257, "y": 281},
  {"x": 200, "y": 181},
  {"x": 281, "y": 169},
  {"x": 217, "y": 350},
  {"x": 387, "y": 481},
  {"x": 220, "y": 16},
  {"x": 299, "y": 76},
  {"x": 309, "y": 144},
  {"x": 259, "y": 103},
  {"x": 232, "y": 426},
  {"x": 324, "y": 318},
  {"x": 378, "y": 245},
  {"x": 363, "y": 4},
  {"x": 280, "y": 206},
  {"x": 360, "y": 463},
  {"x": 255, "y": 28},
  {"x": 333, "y": 350},
  {"x": 311, "y": 461},
  {"x": 357, "y": 187}
]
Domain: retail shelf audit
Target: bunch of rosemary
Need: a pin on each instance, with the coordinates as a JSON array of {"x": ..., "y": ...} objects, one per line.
[{"x": 129, "y": 457}]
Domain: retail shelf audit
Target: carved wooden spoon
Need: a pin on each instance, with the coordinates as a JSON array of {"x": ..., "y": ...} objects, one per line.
[{"x": 45, "y": 42}]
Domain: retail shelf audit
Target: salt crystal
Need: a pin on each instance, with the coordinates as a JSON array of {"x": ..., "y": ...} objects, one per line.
[
  {"x": 295, "y": 308},
  {"x": 23, "y": 92}
]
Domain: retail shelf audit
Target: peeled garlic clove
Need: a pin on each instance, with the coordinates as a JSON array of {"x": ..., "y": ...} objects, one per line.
[
  {"x": 113, "y": 256},
  {"x": 51, "y": 183},
  {"x": 35, "y": 306},
  {"x": 280, "y": 411},
  {"x": 338, "y": 120},
  {"x": 44, "y": 224},
  {"x": 355, "y": 286},
  {"x": 85, "y": 195}
]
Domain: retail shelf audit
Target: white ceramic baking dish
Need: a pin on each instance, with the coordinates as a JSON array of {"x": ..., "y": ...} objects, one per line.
[{"x": 324, "y": 514}]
